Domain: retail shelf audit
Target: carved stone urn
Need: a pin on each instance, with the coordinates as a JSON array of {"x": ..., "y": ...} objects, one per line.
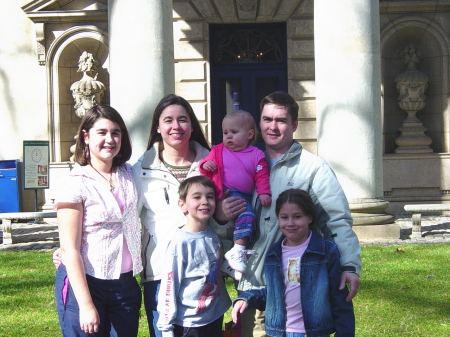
[
  {"x": 411, "y": 85},
  {"x": 86, "y": 92}
]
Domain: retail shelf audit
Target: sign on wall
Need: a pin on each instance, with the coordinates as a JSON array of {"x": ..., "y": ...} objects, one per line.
[{"x": 36, "y": 164}]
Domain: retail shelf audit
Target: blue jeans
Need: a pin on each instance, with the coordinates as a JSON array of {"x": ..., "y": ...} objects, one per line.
[
  {"x": 244, "y": 223},
  {"x": 151, "y": 290},
  {"x": 117, "y": 302}
]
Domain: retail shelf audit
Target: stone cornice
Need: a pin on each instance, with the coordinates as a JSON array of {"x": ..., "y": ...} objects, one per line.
[
  {"x": 391, "y": 7},
  {"x": 69, "y": 16},
  {"x": 43, "y": 12},
  {"x": 37, "y": 5}
]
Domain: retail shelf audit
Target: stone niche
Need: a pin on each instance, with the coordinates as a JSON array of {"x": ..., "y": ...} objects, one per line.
[
  {"x": 68, "y": 73},
  {"x": 416, "y": 177},
  {"x": 434, "y": 63}
]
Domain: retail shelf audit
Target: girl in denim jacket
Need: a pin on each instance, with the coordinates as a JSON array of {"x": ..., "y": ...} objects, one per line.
[{"x": 302, "y": 271}]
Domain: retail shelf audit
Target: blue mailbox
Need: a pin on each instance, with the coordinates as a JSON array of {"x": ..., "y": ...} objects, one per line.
[{"x": 9, "y": 186}]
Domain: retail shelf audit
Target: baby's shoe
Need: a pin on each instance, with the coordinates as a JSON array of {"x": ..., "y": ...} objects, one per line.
[
  {"x": 237, "y": 258},
  {"x": 226, "y": 269}
]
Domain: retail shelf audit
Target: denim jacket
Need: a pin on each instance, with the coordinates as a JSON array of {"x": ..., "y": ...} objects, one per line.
[{"x": 324, "y": 307}]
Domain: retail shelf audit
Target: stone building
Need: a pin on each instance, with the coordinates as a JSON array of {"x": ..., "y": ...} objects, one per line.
[{"x": 371, "y": 79}]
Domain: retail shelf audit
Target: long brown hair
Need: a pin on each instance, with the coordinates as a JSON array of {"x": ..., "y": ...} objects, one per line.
[{"x": 197, "y": 133}]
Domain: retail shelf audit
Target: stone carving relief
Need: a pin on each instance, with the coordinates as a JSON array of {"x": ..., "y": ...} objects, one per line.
[
  {"x": 40, "y": 39},
  {"x": 411, "y": 85},
  {"x": 86, "y": 92}
]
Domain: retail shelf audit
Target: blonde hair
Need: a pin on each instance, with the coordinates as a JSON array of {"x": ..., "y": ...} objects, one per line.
[{"x": 247, "y": 120}]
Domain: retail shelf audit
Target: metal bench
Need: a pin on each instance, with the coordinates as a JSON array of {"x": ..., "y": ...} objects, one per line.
[
  {"x": 417, "y": 211},
  {"x": 7, "y": 219}
]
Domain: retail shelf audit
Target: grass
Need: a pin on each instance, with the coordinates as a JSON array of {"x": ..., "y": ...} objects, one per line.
[{"x": 405, "y": 291}]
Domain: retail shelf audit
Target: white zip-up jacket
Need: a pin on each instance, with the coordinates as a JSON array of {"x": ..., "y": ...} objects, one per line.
[
  {"x": 299, "y": 168},
  {"x": 158, "y": 206}
]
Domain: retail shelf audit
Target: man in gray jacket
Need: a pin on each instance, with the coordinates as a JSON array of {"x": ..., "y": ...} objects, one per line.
[{"x": 293, "y": 167}]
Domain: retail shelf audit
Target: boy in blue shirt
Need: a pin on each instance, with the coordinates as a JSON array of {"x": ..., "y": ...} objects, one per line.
[{"x": 193, "y": 297}]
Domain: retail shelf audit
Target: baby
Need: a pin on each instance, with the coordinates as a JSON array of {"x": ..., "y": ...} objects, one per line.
[{"x": 239, "y": 166}]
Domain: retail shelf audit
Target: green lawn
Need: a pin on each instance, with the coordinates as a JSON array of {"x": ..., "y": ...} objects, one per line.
[{"x": 405, "y": 291}]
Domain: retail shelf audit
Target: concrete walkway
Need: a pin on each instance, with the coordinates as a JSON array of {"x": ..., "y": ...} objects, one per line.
[{"x": 45, "y": 237}]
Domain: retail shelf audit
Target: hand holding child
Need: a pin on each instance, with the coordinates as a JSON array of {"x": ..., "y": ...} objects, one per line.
[
  {"x": 265, "y": 199},
  {"x": 209, "y": 166},
  {"x": 238, "y": 308}
]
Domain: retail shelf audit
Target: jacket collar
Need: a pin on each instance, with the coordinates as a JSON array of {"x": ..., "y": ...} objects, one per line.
[
  {"x": 295, "y": 150},
  {"x": 151, "y": 159}
]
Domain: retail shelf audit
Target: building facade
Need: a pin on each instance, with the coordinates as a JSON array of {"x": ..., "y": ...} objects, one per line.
[{"x": 371, "y": 79}]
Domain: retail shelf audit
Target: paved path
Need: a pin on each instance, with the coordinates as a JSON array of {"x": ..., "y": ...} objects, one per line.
[{"x": 44, "y": 237}]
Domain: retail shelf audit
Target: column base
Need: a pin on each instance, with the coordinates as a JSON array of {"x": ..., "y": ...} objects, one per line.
[
  {"x": 370, "y": 220},
  {"x": 371, "y": 232}
]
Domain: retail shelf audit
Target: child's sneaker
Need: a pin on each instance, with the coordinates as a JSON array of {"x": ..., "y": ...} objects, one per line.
[
  {"x": 226, "y": 269},
  {"x": 237, "y": 259}
]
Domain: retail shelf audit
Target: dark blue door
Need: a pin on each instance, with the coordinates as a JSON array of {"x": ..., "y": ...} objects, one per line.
[
  {"x": 244, "y": 89},
  {"x": 248, "y": 62}
]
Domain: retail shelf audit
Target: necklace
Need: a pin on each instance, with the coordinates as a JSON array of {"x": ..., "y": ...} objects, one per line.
[{"x": 111, "y": 185}]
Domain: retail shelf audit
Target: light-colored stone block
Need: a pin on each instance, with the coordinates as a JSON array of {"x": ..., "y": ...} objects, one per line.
[
  {"x": 65, "y": 114},
  {"x": 412, "y": 171},
  {"x": 307, "y": 109},
  {"x": 69, "y": 58},
  {"x": 301, "y": 69},
  {"x": 65, "y": 96},
  {"x": 302, "y": 89},
  {"x": 189, "y": 30},
  {"x": 206, "y": 8},
  {"x": 68, "y": 131},
  {"x": 205, "y": 128},
  {"x": 370, "y": 232},
  {"x": 300, "y": 48},
  {"x": 306, "y": 130},
  {"x": 190, "y": 71},
  {"x": 300, "y": 27},
  {"x": 200, "y": 110},
  {"x": 65, "y": 150},
  {"x": 193, "y": 91},
  {"x": 310, "y": 146},
  {"x": 285, "y": 8},
  {"x": 185, "y": 50},
  {"x": 184, "y": 10},
  {"x": 306, "y": 8}
]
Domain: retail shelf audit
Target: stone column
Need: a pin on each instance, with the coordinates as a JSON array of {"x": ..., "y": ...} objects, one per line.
[
  {"x": 348, "y": 104},
  {"x": 141, "y": 62}
]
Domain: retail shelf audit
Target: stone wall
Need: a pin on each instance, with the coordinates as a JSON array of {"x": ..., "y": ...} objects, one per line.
[
  {"x": 191, "y": 47},
  {"x": 300, "y": 31},
  {"x": 191, "y": 36}
]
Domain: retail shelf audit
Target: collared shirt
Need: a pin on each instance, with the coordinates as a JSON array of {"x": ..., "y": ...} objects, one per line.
[{"x": 104, "y": 224}]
